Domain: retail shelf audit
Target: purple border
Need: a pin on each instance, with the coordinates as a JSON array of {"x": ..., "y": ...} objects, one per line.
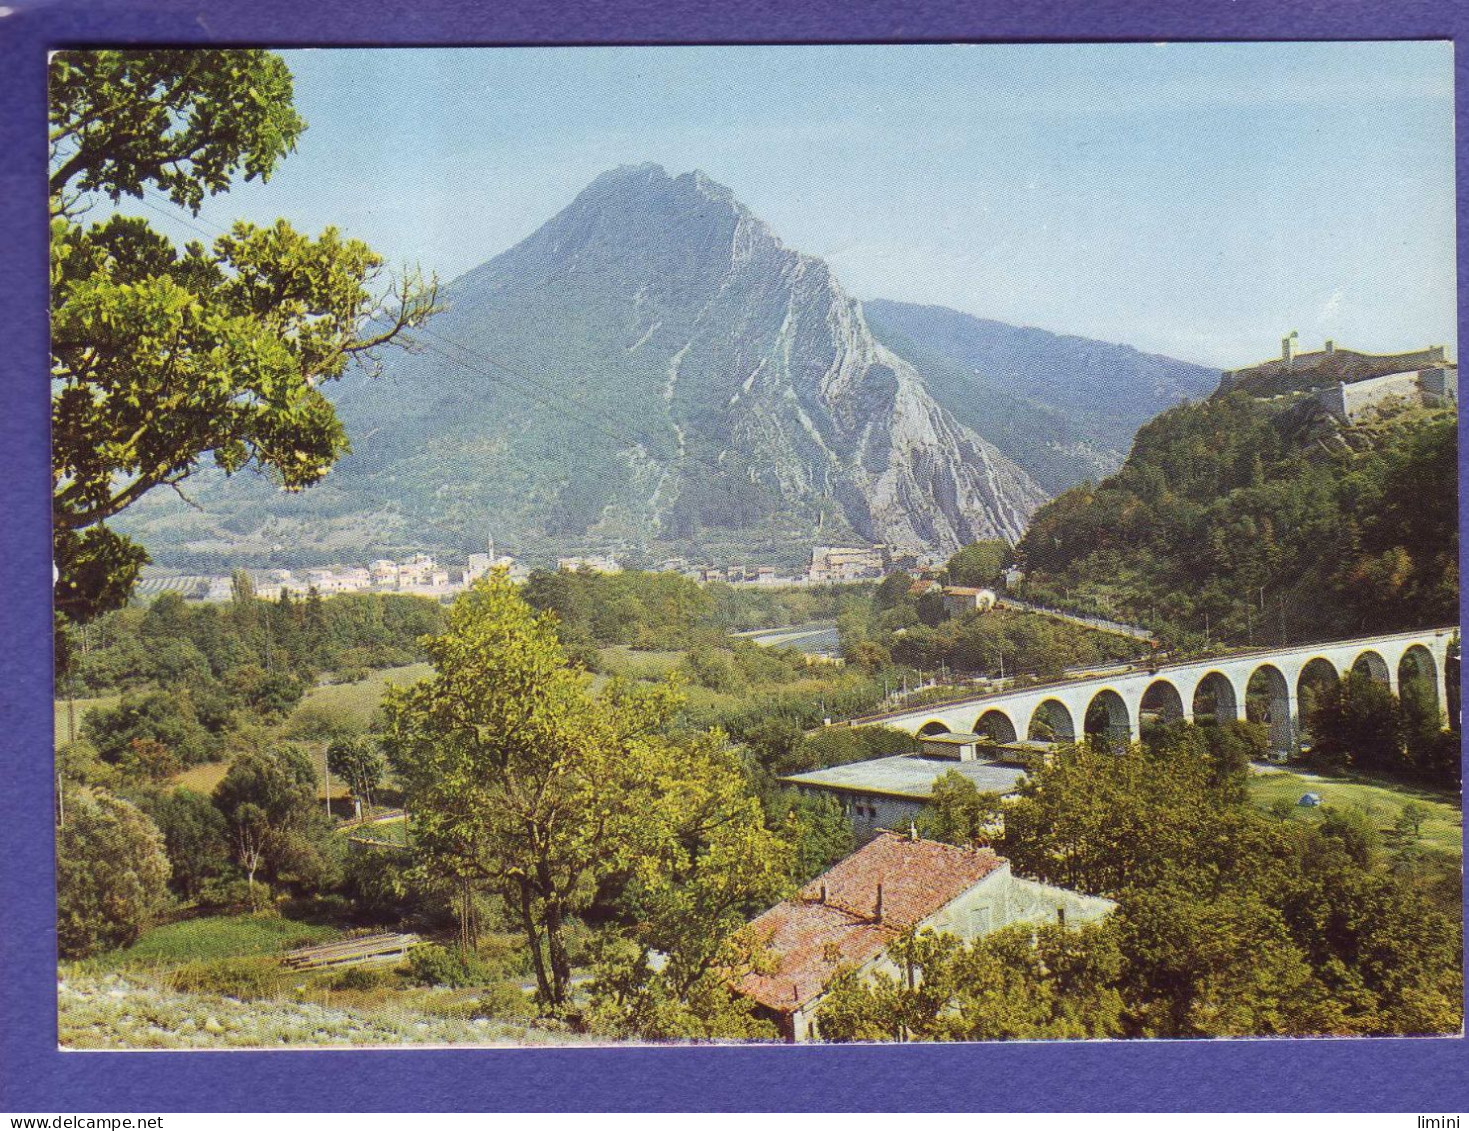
[{"x": 1360, "y": 1075}]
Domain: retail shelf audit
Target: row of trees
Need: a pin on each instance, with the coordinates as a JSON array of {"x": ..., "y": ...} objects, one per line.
[
  {"x": 175, "y": 643},
  {"x": 1358, "y": 724},
  {"x": 666, "y": 610}
]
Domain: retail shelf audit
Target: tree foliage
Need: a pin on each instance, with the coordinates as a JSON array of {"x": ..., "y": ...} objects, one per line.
[
  {"x": 1241, "y": 520},
  {"x": 112, "y": 873},
  {"x": 195, "y": 836},
  {"x": 359, "y": 762},
  {"x": 277, "y": 829},
  {"x": 1019, "y": 982},
  {"x": 980, "y": 563},
  {"x": 523, "y": 782},
  {"x": 959, "y": 813},
  {"x": 165, "y": 358}
]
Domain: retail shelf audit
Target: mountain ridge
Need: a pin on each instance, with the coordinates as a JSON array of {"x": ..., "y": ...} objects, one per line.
[{"x": 729, "y": 396}]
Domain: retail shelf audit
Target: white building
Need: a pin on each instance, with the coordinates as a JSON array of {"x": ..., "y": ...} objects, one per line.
[
  {"x": 889, "y": 792},
  {"x": 846, "y": 563},
  {"x": 962, "y": 599}
]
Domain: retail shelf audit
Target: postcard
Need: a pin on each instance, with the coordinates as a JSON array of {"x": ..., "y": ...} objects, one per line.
[{"x": 564, "y": 548}]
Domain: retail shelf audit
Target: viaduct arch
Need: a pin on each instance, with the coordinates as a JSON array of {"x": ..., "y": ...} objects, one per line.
[{"x": 1267, "y": 685}]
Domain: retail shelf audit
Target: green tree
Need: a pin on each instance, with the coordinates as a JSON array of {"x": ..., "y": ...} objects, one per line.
[
  {"x": 499, "y": 755},
  {"x": 164, "y": 358},
  {"x": 167, "y": 719},
  {"x": 111, "y": 873},
  {"x": 702, "y": 863},
  {"x": 980, "y": 563},
  {"x": 1410, "y": 820},
  {"x": 815, "y": 825},
  {"x": 959, "y": 813},
  {"x": 892, "y": 591},
  {"x": 1199, "y": 967},
  {"x": 195, "y": 836},
  {"x": 359, "y": 763},
  {"x": 1355, "y": 831},
  {"x": 1020, "y": 982},
  {"x": 1358, "y": 723},
  {"x": 276, "y": 827}
]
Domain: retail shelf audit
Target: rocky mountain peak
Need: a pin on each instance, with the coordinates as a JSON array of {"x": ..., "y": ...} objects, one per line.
[{"x": 653, "y": 368}]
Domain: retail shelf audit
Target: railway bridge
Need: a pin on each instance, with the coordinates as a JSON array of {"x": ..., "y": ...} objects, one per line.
[{"x": 1216, "y": 687}]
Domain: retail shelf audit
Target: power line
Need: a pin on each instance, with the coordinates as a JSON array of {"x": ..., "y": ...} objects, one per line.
[
  {"x": 553, "y": 398},
  {"x": 643, "y": 442}
]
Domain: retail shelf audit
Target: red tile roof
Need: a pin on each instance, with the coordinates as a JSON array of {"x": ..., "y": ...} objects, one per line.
[{"x": 811, "y": 938}]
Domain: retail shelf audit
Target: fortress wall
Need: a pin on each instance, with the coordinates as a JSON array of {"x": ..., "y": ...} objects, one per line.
[
  {"x": 1347, "y": 402},
  {"x": 1361, "y": 395},
  {"x": 1310, "y": 370},
  {"x": 1442, "y": 382}
]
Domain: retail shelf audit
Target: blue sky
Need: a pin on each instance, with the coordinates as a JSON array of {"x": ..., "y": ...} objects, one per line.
[{"x": 1195, "y": 200}]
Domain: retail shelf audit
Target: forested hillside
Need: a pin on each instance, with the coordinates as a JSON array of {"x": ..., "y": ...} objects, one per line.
[{"x": 1242, "y": 521}]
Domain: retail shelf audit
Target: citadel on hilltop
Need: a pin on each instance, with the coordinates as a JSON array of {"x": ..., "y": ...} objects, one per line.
[{"x": 1346, "y": 382}]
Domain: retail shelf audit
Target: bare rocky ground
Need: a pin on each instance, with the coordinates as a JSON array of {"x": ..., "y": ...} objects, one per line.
[{"x": 112, "y": 1011}]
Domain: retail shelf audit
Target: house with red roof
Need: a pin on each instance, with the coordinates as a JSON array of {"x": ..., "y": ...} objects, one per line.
[{"x": 847, "y": 917}]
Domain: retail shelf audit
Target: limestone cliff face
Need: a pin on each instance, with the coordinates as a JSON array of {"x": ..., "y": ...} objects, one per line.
[
  {"x": 741, "y": 360},
  {"x": 651, "y": 371}
]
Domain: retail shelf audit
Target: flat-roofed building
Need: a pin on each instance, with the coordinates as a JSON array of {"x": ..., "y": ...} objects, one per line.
[{"x": 889, "y": 793}]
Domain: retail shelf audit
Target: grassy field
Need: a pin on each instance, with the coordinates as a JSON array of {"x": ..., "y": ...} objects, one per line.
[
  {"x": 356, "y": 701},
  {"x": 360, "y": 700},
  {"x": 620, "y": 660},
  {"x": 1443, "y": 831},
  {"x": 202, "y": 779},
  {"x": 213, "y": 937},
  {"x": 81, "y": 707}
]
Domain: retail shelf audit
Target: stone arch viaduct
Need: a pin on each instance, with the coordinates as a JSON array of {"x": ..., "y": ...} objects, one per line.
[{"x": 1215, "y": 687}]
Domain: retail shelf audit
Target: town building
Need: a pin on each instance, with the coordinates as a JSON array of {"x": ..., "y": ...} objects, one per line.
[
  {"x": 846, "y": 563},
  {"x": 889, "y": 793},
  {"x": 847, "y": 918},
  {"x": 597, "y": 563},
  {"x": 962, "y": 599}
]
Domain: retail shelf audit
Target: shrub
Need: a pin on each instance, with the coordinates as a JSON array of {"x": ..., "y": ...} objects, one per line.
[
  {"x": 362, "y": 978},
  {"x": 195, "y": 837},
  {"x": 1355, "y": 831},
  {"x": 432, "y": 965},
  {"x": 230, "y": 893},
  {"x": 245, "y": 979},
  {"x": 506, "y": 1000}
]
